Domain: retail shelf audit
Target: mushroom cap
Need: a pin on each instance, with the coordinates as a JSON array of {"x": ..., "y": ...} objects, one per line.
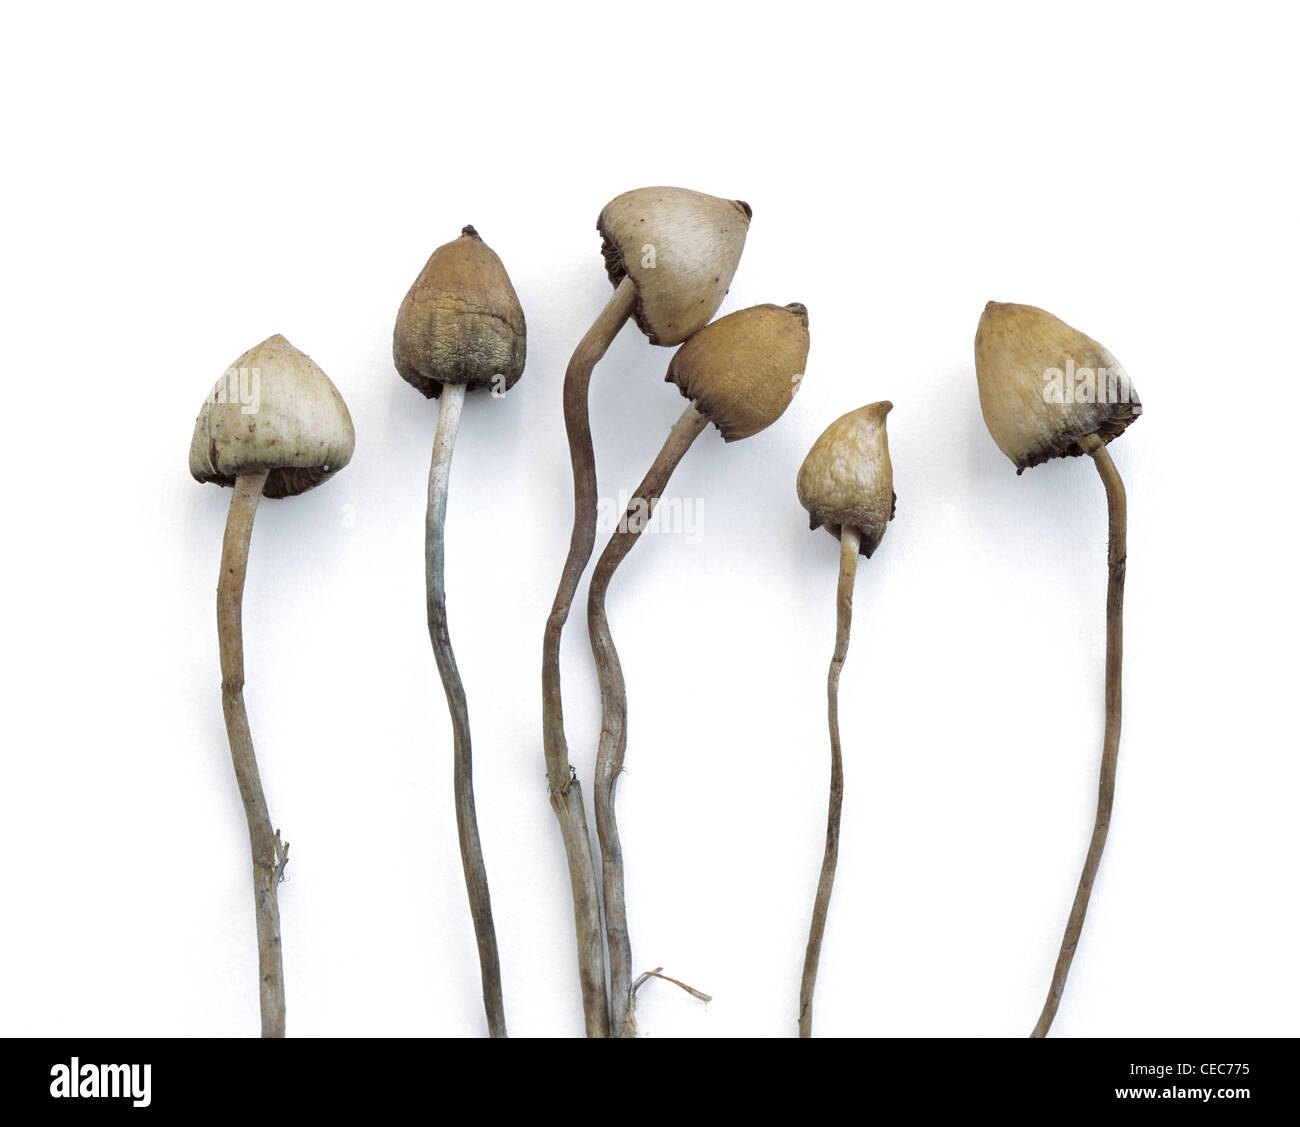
[
  {"x": 848, "y": 479},
  {"x": 460, "y": 323},
  {"x": 273, "y": 409},
  {"x": 743, "y": 370},
  {"x": 1044, "y": 385},
  {"x": 680, "y": 248}
]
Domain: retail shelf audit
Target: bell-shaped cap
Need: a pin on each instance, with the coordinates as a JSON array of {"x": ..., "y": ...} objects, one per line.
[
  {"x": 743, "y": 370},
  {"x": 1044, "y": 385},
  {"x": 680, "y": 248},
  {"x": 274, "y": 409},
  {"x": 848, "y": 479},
  {"x": 460, "y": 323}
]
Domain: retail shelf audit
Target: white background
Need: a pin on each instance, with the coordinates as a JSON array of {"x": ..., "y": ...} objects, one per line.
[{"x": 182, "y": 182}]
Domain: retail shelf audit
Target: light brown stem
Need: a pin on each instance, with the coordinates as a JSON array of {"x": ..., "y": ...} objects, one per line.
[
  {"x": 1117, "y": 551},
  {"x": 613, "y": 703},
  {"x": 450, "y": 403},
  {"x": 565, "y": 790},
  {"x": 850, "y": 539},
  {"x": 269, "y": 853}
]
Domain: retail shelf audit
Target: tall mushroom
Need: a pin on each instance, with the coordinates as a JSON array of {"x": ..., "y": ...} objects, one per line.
[
  {"x": 274, "y": 425},
  {"x": 460, "y": 327},
  {"x": 1048, "y": 391},
  {"x": 847, "y": 485},
  {"x": 739, "y": 373},
  {"x": 670, "y": 254}
]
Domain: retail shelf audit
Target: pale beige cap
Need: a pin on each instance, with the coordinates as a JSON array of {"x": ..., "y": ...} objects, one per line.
[
  {"x": 1044, "y": 385},
  {"x": 680, "y": 248},
  {"x": 274, "y": 409},
  {"x": 848, "y": 479}
]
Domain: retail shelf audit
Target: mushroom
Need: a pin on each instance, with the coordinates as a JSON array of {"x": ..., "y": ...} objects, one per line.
[
  {"x": 460, "y": 327},
  {"x": 847, "y": 485},
  {"x": 670, "y": 254},
  {"x": 739, "y": 373},
  {"x": 1047, "y": 391},
  {"x": 288, "y": 434}
]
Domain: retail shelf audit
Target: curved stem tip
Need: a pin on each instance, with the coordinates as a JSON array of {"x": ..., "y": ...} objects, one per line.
[
  {"x": 850, "y": 539},
  {"x": 1117, "y": 552},
  {"x": 269, "y": 853},
  {"x": 450, "y": 403},
  {"x": 613, "y": 703}
]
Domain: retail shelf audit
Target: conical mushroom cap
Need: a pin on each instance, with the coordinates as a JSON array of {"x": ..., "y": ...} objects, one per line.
[
  {"x": 680, "y": 248},
  {"x": 273, "y": 409},
  {"x": 460, "y": 323},
  {"x": 848, "y": 479},
  {"x": 743, "y": 370},
  {"x": 1044, "y": 385}
]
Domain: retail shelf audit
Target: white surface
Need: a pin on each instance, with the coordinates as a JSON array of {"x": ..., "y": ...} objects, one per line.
[{"x": 181, "y": 185}]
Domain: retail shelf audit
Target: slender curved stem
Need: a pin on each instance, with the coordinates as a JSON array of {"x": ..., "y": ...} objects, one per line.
[
  {"x": 850, "y": 538},
  {"x": 1117, "y": 552},
  {"x": 613, "y": 703},
  {"x": 565, "y": 790},
  {"x": 269, "y": 853},
  {"x": 450, "y": 403}
]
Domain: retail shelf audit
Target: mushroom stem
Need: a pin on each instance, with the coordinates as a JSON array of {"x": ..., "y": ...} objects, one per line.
[
  {"x": 850, "y": 538},
  {"x": 269, "y": 853},
  {"x": 613, "y": 702},
  {"x": 450, "y": 402},
  {"x": 1117, "y": 509},
  {"x": 565, "y": 790}
]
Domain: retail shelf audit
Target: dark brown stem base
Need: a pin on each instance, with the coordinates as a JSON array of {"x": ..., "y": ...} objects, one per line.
[
  {"x": 269, "y": 853},
  {"x": 1117, "y": 552},
  {"x": 850, "y": 539},
  {"x": 613, "y": 701},
  {"x": 471, "y": 849},
  {"x": 565, "y": 790}
]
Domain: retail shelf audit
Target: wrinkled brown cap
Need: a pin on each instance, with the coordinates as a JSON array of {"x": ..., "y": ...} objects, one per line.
[
  {"x": 680, "y": 248},
  {"x": 274, "y": 409},
  {"x": 742, "y": 370},
  {"x": 460, "y": 323},
  {"x": 1044, "y": 385},
  {"x": 848, "y": 479}
]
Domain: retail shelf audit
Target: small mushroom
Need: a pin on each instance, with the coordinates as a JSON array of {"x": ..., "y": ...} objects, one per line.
[
  {"x": 460, "y": 327},
  {"x": 740, "y": 373},
  {"x": 1049, "y": 391},
  {"x": 288, "y": 434},
  {"x": 847, "y": 485},
  {"x": 670, "y": 254}
]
